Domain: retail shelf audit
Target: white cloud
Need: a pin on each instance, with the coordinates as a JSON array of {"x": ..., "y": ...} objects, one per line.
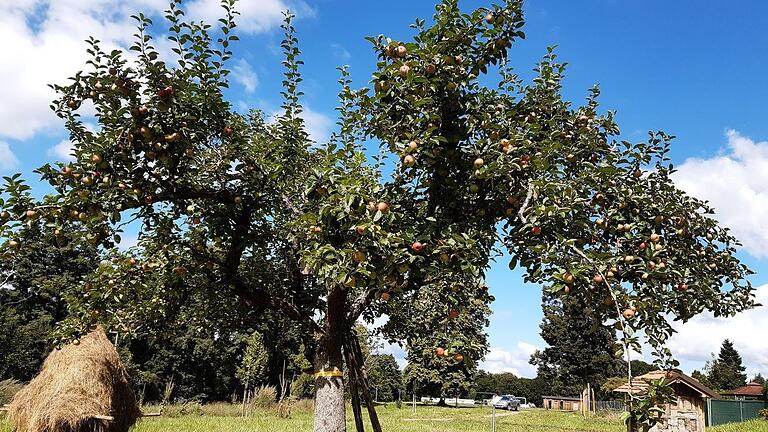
[
  {"x": 316, "y": 124},
  {"x": 45, "y": 40},
  {"x": 516, "y": 361},
  {"x": 62, "y": 151},
  {"x": 736, "y": 185},
  {"x": 7, "y": 158},
  {"x": 697, "y": 339},
  {"x": 256, "y": 16},
  {"x": 340, "y": 52},
  {"x": 43, "y": 43},
  {"x": 243, "y": 74}
]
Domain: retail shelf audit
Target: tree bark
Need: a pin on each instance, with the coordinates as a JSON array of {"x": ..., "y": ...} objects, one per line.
[{"x": 330, "y": 413}]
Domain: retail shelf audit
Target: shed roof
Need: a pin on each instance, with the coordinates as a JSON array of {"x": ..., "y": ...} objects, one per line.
[
  {"x": 751, "y": 389},
  {"x": 566, "y": 398},
  {"x": 640, "y": 385}
]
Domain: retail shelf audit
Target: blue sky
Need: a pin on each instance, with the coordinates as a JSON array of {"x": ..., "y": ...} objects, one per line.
[{"x": 694, "y": 69}]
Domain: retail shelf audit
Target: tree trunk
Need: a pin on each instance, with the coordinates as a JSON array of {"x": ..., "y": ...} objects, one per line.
[
  {"x": 632, "y": 425},
  {"x": 330, "y": 413}
]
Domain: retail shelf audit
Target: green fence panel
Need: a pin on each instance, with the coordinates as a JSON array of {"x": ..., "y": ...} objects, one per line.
[{"x": 721, "y": 411}]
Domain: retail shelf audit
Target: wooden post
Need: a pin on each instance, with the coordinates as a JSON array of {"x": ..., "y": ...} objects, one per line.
[
  {"x": 353, "y": 378},
  {"x": 362, "y": 378}
]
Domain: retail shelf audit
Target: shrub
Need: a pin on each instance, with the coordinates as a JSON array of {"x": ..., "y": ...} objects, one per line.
[
  {"x": 764, "y": 413},
  {"x": 264, "y": 397},
  {"x": 303, "y": 387}
]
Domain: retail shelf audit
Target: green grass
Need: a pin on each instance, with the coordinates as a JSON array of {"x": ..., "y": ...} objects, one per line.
[
  {"x": 758, "y": 425},
  {"x": 224, "y": 417}
]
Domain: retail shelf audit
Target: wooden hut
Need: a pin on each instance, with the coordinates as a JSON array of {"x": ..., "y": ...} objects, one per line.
[
  {"x": 562, "y": 403},
  {"x": 688, "y": 414},
  {"x": 751, "y": 391}
]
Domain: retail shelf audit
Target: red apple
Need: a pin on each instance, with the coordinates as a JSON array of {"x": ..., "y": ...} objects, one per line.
[
  {"x": 453, "y": 314},
  {"x": 440, "y": 352},
  {"x": 536, "y": 230},
  {"x": 165, "y": 92},
  {"x": 417, "y": 246},
  {"x": 385, "y": 296}
]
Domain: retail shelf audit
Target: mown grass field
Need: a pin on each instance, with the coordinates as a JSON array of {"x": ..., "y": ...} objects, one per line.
[{"x": 220, "y": 417}]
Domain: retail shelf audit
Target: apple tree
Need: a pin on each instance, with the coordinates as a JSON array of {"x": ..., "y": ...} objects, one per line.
[
  {"x": 240, "y": 214},
  {"x": 585, "y": 213}
]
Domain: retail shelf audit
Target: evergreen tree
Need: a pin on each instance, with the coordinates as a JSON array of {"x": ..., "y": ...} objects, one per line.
[
  {"x": 581, "y": 350},
  {"x": 758, "y": 379},
  {"x": 727, "y": 372}
]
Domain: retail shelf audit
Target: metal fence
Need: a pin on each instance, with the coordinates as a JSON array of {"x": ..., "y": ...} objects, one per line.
[
  {"x": 721, "y": 411},
  {"x": 610, "y": 406}
]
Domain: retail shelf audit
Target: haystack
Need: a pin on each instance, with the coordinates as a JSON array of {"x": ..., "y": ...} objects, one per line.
[{"x": 79, "y": 389}]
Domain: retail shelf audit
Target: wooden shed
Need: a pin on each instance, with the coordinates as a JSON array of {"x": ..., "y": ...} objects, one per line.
[
  {"x": 689, "y": 413},
  {"x": 562, "y": 403},
  {"x": 751, "y": 391}
]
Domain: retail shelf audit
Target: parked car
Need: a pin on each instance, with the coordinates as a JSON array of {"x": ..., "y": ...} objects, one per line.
[{"x": 507, "y": 402}]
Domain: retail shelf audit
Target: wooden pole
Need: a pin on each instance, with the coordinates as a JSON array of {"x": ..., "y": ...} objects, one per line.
[
  {"x": 362, "y": 378},
  {"x": 353, "y": 378}
]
